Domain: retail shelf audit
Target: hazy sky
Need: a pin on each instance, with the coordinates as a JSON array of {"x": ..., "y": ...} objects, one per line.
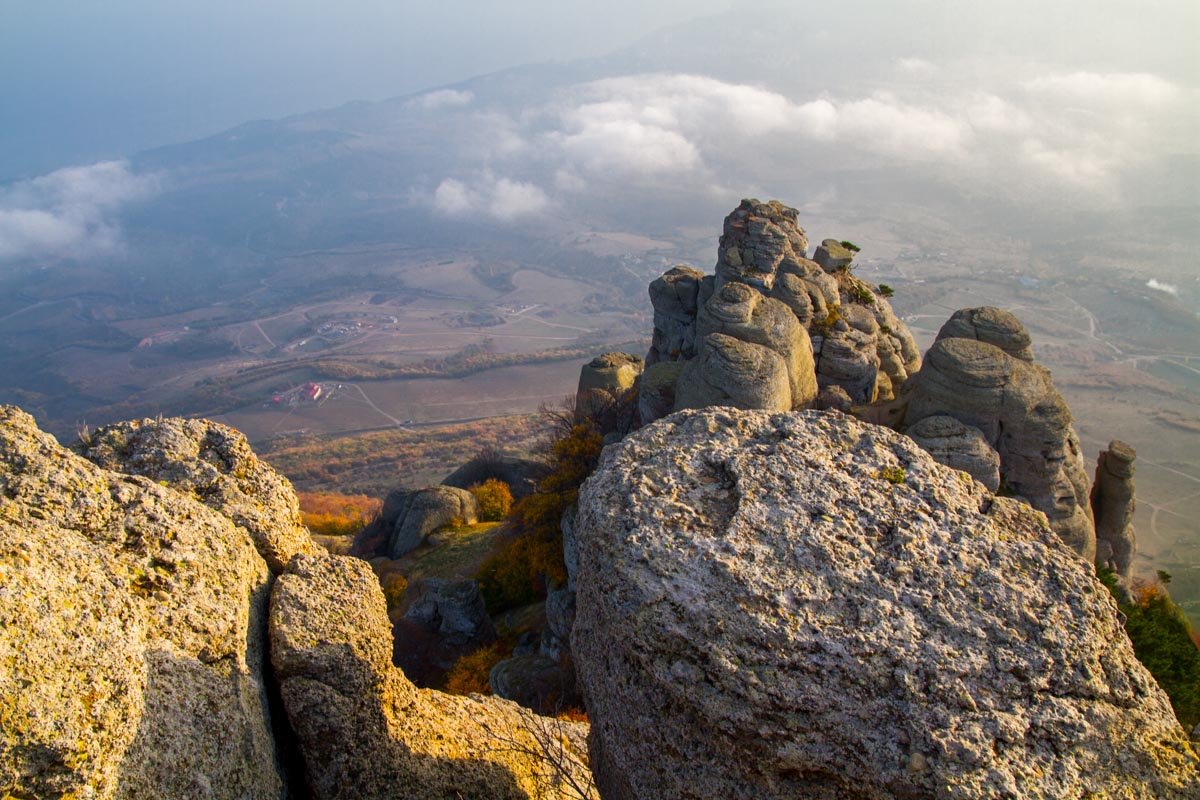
[{"x": 82, "y": 81}]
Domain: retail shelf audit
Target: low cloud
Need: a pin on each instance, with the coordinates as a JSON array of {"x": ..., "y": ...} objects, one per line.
[
  {"x": 1128, "y": 89},
  {"x": 1157, "y": 285},
  {"x": 69, "y": 213},
  {"x": 443, "y": 98},
  {"x": 502, "y": 199}
]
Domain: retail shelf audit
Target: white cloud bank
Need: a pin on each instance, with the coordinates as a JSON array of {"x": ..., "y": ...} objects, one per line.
[
  {"x": 442, "y": 98},
  {"x": 502, "y": 199},
  {"x": 69, "y": 213},
  {"x": 1079, "y": 134}
]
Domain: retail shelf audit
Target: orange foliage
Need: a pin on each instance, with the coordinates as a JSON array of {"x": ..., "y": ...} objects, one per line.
[
  {"x": 1143, "y": 592},
  {"x": 494, "y": 499},
  {"x": 334, "y": 514},
  {"x": 469, "y": 675},
  {"x": 573, "y": 714}
]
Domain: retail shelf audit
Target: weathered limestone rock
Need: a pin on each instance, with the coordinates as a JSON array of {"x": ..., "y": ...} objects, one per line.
[
  {"x": 802, "y": 605},
  {"x": 674, "y": 296},
  {"x": 992, "y": 325},
  {"x": 409, "y": 515},
  {"x": 560, "y": 618},
  {"x": 744, "y": 313},
  {"x": 847, "y": 357},
  {"x": 132, "y": 622},
  {"x": 367, "y": 732},
  {"x": 536, "y": 682},
  {"x": 1113, "y": 504},
  {"x": 730, "y": 372},
  {"x": 1023, "y": 418},
  {"x": 570, "y": 548},
  {"x": 833, "y": 398},
  {"x": 216, "y": 465},
  {"x": 759, "y": 240},
  {"x": 606, "y": 378},
  {"x": 856, "y": 341},
  {"x": 454, "y": 610},
  {"x": 958, "y": 446},
  {"x": 656, "y": 392},
  {"x": 832, "y": 256}
]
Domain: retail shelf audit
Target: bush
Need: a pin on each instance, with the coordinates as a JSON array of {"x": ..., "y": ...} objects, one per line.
[
  {"x": 851, "y": 246},
  {"x": 394, "y": 586},
  {"x": 494, "y": 498},
  {"x": 886, "y": 290},
  {"x": 894, "y": 475},
  {"x": 861, "y": 293},
  {"x": 824, "y": 326},
  {"x": 523, "y": 568},
  {"x": 469, "y": 675},
  {"x": 1162, "y": 640}
]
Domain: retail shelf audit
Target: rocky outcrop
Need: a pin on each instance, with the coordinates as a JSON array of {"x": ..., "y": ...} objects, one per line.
[
  {"x": 759, "y": 240},
  {"x": 854, "y": 340},
  {"x": 1112, "y": 503},
  {"x": 214, "y": 463},
  {"x": 560, "y": 618},
  {"x": 803, "y": 605},
  {"x": 366, "y": 732},
  {"x": 536, "y": 682},
  {"x": 730, "y": 372},
  {"x": 744, "y": 313},
  {"x": 674, "y": 297},
  {"x": 453, "y": 610},
  {"x": 606, "y": 378},
  {"x": 409, "y": 515},
  {"x": 958, "y": 446},
  {"x": 1023, "y": 418},
  {"x": 132, "y": 619},
  {"x": 994, "y": 326}
]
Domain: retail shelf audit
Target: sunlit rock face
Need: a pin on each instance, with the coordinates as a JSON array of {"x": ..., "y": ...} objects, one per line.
[
  {"x": 803, "y": 605},
  {"x": 848, "y": 336}
]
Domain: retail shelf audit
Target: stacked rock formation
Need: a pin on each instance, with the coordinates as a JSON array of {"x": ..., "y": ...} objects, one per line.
[
  {"x": 1113, "y": 504},
  {"x": 980, "y": 372},
  {"x": 802, "y": 605},
  {"x": 736, "y": 331},
  {"x": 134, "y": 624}
]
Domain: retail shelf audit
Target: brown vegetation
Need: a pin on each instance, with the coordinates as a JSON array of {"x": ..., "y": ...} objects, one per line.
[
  {"x": 332, "y": 514},
  {"x": 469, "y": 675}
]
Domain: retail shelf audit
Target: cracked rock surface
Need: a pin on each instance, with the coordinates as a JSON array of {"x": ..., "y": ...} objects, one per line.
[{"x": 803, "y": 605}]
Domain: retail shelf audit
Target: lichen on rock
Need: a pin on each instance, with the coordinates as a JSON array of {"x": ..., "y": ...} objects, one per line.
[{"x": 803, "y": 605}]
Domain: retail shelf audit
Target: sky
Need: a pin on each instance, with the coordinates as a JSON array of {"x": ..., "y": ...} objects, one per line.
[{"x": 83, "y": 81}]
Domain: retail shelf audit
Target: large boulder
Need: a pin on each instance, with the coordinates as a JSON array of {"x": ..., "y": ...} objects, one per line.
[
  {"x": 453, "y": 609},
  {"x": 1023, "y": 418},
  {"x": 606, "y": 379},
  {"x": 215, "y": 464},
  {"x": 802, "y": 605},
  {"x": 1112, "y": 502},
  {"x": 132, "y": 632},
  {"x": 365, "y": 731},
  {"x": 992, "y": 325},
  {"x": 759, "y": 240},
  {"x": 409, "y": 515}
]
